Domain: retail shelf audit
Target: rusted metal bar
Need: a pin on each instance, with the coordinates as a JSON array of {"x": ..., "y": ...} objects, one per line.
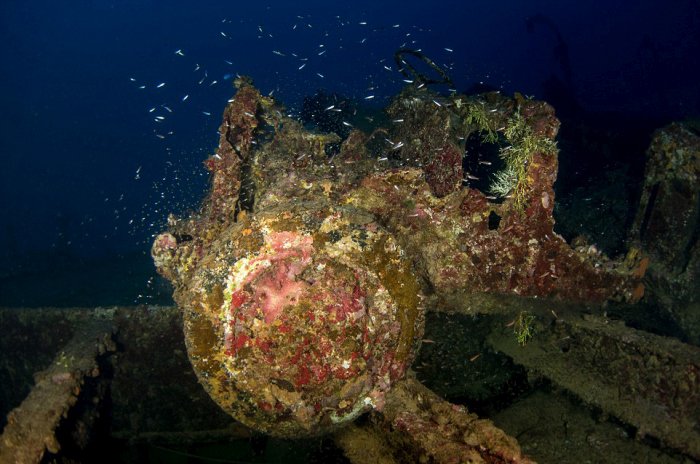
[
  {"x": 31, "y": 430},
  {"x": 423, "y": 427},
  {"x": 646, "y": 380}
]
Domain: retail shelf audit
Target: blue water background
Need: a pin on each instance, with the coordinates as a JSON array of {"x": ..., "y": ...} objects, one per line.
[{"x": 84, "y": 175}]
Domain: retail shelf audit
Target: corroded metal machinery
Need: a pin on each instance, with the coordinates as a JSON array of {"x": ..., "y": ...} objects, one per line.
[
  {"x": 667, "y": 225},
  {"x": 304, "y": 278},
  {"x": 305, "y": 281}
]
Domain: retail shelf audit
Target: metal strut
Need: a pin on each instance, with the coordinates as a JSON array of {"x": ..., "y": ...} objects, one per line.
[{"x": 410, "y": 72}]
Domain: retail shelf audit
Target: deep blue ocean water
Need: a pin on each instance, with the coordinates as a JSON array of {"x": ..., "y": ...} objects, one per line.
[{"x": 95, "y": 152}]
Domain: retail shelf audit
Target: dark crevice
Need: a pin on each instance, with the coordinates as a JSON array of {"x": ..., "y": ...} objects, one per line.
[
  {"x": 648, "y": 211},
  {"x": 246, "y": 195},
  {"x": 694, "y": 237},
  {"x": 481, "y": 161},
  {"x": 494, "y": 220}
]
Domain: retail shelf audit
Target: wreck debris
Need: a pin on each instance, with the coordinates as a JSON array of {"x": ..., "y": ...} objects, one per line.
[
  {"x": 667, "y": 224},
  {"x": 365, "y": 443},
  {"x": 462, "y": 241},
  {"x": 156, "y": 399},
  {"x": 426, "y": 427},
  {"x": 648, "y": 381},
  {"x": 31, "y": 430},
  {"x": 300, "y": 317},
  {"x": 303, "y": 292},
  {"x": 417, "y": 425},
  {"x": 415, "y": 77},
  {"x": 309, "y": 326}
]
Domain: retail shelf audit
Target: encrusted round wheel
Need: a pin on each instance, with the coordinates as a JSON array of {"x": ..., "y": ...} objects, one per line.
[{"x": 297, "y": 323}]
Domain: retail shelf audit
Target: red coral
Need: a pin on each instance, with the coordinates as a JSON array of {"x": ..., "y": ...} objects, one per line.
[{"x": 444, "y": 171}]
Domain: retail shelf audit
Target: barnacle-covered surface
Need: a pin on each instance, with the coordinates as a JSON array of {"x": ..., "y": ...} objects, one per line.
[
  {"x": 303, "y": 291},
  {"x": 301, "y": 314},
  {"x": 33, "y": 428},
  {"x": 667, "y": 225},
  {"x": 648, "y": 381},
  {"x": 465, "y": 241},
  {"x": 426, "y": 426},
  {"x": 301, "y": 319},
  {"x": 155, "y": 398}
]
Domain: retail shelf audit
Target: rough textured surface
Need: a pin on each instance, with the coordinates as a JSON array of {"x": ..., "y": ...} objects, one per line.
[
  {"x": 542, "y": 419},
  {"x": 302, "y": 292},
  {"x": 155, "y": 398},
  {"x": 24, "y": 331},
  {"x": 152, "y": 374},
  {"x": 464, "y": 240},
  {"x": 667, "y": 225},
  {"x": 647, "y": 381},
  {"x": 363, "y": 444},
  {"x": 307, "y": 327},
  {"x": 154, "y": 394},
  {"x": 300, "y": 317},
  {"x": 432, "y": 430},
  {"x": 31, "y": 430}
]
